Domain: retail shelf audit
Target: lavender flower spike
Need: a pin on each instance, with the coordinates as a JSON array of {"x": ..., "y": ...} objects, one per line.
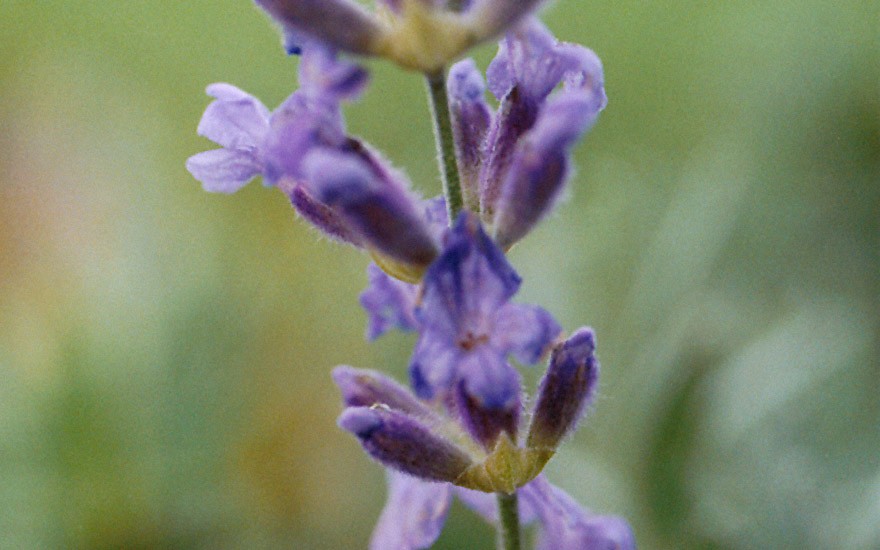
[
  {"x": 401, "y": 442},
  {"x": 565, "y": 391},
  {"x": 342, "y": 24}
]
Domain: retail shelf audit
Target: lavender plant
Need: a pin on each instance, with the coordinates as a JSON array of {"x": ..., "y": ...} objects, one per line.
[{"x": 439, "y": 265}]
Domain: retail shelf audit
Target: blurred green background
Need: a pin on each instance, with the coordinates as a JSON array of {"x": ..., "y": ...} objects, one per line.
[{"x": 165, "y": 353}]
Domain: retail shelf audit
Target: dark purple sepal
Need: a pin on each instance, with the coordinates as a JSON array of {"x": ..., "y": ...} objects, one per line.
[
  {"x": 321, "y": 216},
  {"x": 567, "y": 388},
  {"x": 340, "y": 24},
  {"x": 379, "y": 210},
  {"x": 403, "y": 443},
  {"x": 365, "y": 388},
  {"x": 471, "y": 118}
]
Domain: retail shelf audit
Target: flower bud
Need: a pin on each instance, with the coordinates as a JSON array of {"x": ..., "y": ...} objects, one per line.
[
  {"x": 341, "y": 24},
  {"x": 564, "y": 392},
  {"x": 403, "y": 443},
  {"x": 365, "y": 388}
]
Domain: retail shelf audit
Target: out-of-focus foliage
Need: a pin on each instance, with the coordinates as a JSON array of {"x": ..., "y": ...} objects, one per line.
[{"x": 165, "y": 353}]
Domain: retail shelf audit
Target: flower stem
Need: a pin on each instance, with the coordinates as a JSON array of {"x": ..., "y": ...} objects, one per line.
[
  {"x": 445, "y": 142},
  {"x": 508, "y": 522}
]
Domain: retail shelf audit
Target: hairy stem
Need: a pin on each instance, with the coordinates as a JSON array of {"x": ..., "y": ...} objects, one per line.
[
  {"x": 508, "y": 522},
  {"x": 445, "y": 142}
]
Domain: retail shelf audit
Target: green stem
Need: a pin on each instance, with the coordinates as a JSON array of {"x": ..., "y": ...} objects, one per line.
[
  {"x": 445, "y": 143},
  {"x": 508, "y": 522}
]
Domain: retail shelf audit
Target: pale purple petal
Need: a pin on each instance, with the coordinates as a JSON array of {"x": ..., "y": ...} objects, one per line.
[
  {"x": 433, "y": 365},
  {"x": 565, "y": 525},
  {"x": 235, "y": 120},
  {"x": 324, "y": 77},
  {"x": 525, "y": 331},
  {"x": 389, "y": 303},
  {"x": 223, "y": 170},
  {"x": 413, "y": 515}
]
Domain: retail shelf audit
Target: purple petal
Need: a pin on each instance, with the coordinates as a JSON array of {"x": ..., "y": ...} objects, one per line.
[
  {"x": 433, "y": 365},
  {"x": 404, "y": 443},
  {"x": 526, "y": 331},
  {"x": 338, "y": 23},
  {"x": 413, "y": 515},
  {"x": 566, "y": 390},
  {"x": 468, "y": 282},
  {"x": 488, "y": 400},
  {"x": 470, "y": 122},
  {"x": 389, "y": 303},
  {"x": 365, "y": 388},
  {"x": 567, "y": 526},
  {"x": 297, "y": 128},
  {"x": 236, "y": 120},
  {"x": 381, "y": 212},
  {"x": 224, "y": 170}
]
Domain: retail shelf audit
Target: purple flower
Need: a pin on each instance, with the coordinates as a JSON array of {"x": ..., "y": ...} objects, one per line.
[
  {"x": 526, "y": 149},
  {"x": 415, "y": 511},
  {"x": 467, "y": 325},
  {"x": 389, "y": 303},
  {"x": 238, "y": 122}
]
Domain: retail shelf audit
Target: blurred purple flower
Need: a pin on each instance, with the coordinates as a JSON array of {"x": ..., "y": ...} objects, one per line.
[
  {"x": 467, "y": 325},
  {"x": 415, "y": 511}
]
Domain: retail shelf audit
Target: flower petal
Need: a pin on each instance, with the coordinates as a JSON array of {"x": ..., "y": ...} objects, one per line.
[
  {"x": 224, "y": 170},
  {"x": 413, "y": 515},
  {"x": 389, "y": 303},
  {"x": 235, "y": 120},
  {"x": 524, "y": 330}
]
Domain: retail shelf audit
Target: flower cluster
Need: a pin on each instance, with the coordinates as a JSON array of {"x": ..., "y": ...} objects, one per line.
[{"x": 462, "y": 428}]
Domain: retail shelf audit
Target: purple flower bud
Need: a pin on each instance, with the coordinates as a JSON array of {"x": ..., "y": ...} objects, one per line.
[
  {"x": 540, "y": 166},
  {"x": 565, "y": 391},
  {"x": 470, "y": 121},
  {"x": 340, "y": 24},
  {"x": 377, "y": 208},
  {"x": 403, "y": 443},
  {"x": 365, "y": 388}
]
